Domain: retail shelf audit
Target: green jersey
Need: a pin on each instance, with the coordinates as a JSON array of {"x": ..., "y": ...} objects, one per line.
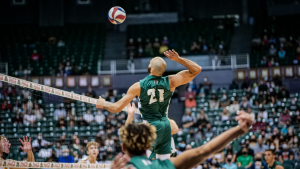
[
  {"x": 142, "y": 162},
  {"x": 155, "y": 97},
  {"x": 274, "y": 165}
]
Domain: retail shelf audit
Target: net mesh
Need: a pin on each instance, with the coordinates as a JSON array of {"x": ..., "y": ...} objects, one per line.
[{"x": 56, "y": 121}]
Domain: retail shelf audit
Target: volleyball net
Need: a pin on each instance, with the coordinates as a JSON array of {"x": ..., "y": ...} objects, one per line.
[{"x": 59, "y": 122}]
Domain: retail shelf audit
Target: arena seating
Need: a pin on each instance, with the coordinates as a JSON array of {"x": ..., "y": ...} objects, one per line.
[
  {"x": 84, "y": 44},
  {"x": 280, "y": 28},
  {"x": 181, "y": 35}
]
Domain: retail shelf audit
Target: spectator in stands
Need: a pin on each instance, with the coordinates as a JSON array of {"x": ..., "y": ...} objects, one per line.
[
  {"x": 88, "y": 117},
  {"x": 202, "y": 118},
  {"x": 61, "y": 123},
  {"x": 244, "y": 160},
  {"x": 283, "y": 93},
  {"x": 233, "y": 85},
  {"x": 111, "y": 95},
  {"x": 163, "y": 47},
  {"x": 261, "y": 99},
  {"x": 39, "y": 143},
  {"x": 260, "y": 147},
  {"x": 189, "y": 93},
  {"x": 263, "y": 114},
  {"x": 198, "y": 136},
  {"x": 71, "y": 123},
  {"x": 245, "y": 104},
  {"x": 35, "y": 56},
  {"x": 18, "y": 119},
  {"x": 281, "y": 53},
  {"x": 20, "y": 72},
  {"x": 66, "y": 157},
  {"x": 191, "y": 102},
  {"x": 82, "y": 122},
  {"x": 272, "y": 51},
  {"x": 191, "y": 136},
  {"x": 165, "y": 41},
  {"x": 100, "y": 117},
  {"x": 45, "y": 152},
  {"x": 156, "y": 46},
  {"x": 272, "y": 40},
  {"x": 264, "y": 62},
  {"x": 284, "y": 117},
  {"x": 249, "y": 111},
  {"x": 229, "y": 163},
  {"x": 58, "y": 150},
  {"x": 258, "y": 162},
  {"x": 246, "y": 84},
  {"x": 77, "y": 145},
  {"x": 234, "y": 107},
  {"x": 245, "y": 145},
  {"x": 90, "y": 92},
  {"x": 29, "y": 118},
  {"x": 285, "y": 153},
  {"x": 28, "y": 71},
  {"x": 295, "y": 147},
  {"x": 5, "y": 106},
  {"x": 60, "y": 43},
  {"x": 195, "y": 48},
  {"x": 17, "y": 106},
  {"x": 214, "y": 103},
  {"x": 60, "y": 112},
  {"x": 225, "y": 115},
  {"x": 62, "y": 140},
  {"x": 10, "y": 92},
  {"x": 224, "y": 101},
  {"x": 293, "y": 106},
  {"x": 38, "y": 111},
  {"x": 206, "y": 86},
  {"x": 188, "y": 120},
  {"x": 219, "y": 157},
  {"x": 209, "y": 133},
  {"x": 149, "y": 50}
]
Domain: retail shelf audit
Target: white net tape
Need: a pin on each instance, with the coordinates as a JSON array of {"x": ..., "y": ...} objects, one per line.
[
  {"x": 50, "y": 90},
  {"x": 25, "y": 164}
]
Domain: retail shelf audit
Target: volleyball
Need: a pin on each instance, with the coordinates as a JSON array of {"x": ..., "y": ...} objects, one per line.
[{"x": 116, "y": 15}]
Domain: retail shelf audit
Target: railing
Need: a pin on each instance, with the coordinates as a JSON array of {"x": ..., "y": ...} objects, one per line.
[
  {"x": 4, "y": 68},
  {"x": 208, "y": 62}
]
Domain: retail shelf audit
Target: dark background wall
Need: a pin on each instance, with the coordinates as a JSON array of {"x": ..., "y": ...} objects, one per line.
[{"x": 19, "y": 14}]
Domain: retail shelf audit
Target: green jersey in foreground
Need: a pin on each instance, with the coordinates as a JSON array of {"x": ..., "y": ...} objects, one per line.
[{"x": 142, "y": 162}]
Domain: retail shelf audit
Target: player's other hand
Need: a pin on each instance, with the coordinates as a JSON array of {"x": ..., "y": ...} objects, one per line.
[
  {"x": 245, "y": 120},
  {"x": 131, "y": 109},
  {"x": 6, "y": 145},
  {"x": 172, "y": 54},
  {"x": 120, "y": 161},
  {"x": 100, "y": 103},
  {"x": 26, "y": 144}
]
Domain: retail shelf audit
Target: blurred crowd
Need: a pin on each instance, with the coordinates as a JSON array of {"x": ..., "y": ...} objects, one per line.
[
  {"x": 277, "y": 49},
  {"x": 149, "y": 48},
  {"x": 276, "y": 115},
  {"x": 28, "y": 110}
]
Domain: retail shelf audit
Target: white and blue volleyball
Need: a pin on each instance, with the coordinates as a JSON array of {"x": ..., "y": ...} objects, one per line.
[{"x": 116, "y": 15}]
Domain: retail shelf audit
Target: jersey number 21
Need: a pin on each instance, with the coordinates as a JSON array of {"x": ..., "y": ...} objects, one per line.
[{"x": 151, "y": 93}]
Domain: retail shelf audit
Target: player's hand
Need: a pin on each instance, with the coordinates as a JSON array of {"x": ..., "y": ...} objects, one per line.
[
  {"x": 131, "y": 109},
  {"x": 100, "y": 103},
  {"x": 245, "y": 120},
  {"x": 6, "y": 145},
  {"x": 26, "y": 144},
  {"x": 120, "y": 161},
  {"x": 172, "y": 54}
]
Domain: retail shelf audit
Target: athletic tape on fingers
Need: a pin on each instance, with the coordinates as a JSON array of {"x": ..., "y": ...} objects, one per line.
[
  {"x": 51, "y": 90},
  {"x": 25, "y": 164}
]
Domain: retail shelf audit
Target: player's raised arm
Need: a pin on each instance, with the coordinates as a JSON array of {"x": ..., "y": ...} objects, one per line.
[
  {"x": 130, "y": 111},
  {"x": 193, "y": 157},
  {"x": 116, "y": 107},
  {"x": 184, "y": 76}
]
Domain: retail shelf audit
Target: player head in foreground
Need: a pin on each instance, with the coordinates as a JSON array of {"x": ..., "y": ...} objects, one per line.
[
  {"x": 270, "y": 159},
  {"x": 137, "y": 138},
  {"x": 92, "y": 151}
]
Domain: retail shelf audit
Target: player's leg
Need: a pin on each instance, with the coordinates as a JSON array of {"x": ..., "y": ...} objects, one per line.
[{"x": 163, "y": 142}]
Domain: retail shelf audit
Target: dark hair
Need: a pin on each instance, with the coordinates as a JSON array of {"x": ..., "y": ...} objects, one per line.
[
  {"x": 270, "y": 150},
  {"x": 137, "y": 138}
]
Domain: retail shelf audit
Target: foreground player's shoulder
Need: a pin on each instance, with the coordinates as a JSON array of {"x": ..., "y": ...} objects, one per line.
[{"x": 163, "y": 164}]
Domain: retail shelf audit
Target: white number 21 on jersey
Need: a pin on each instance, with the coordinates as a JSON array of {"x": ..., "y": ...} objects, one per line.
[{"x": 151, "y": 93}]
